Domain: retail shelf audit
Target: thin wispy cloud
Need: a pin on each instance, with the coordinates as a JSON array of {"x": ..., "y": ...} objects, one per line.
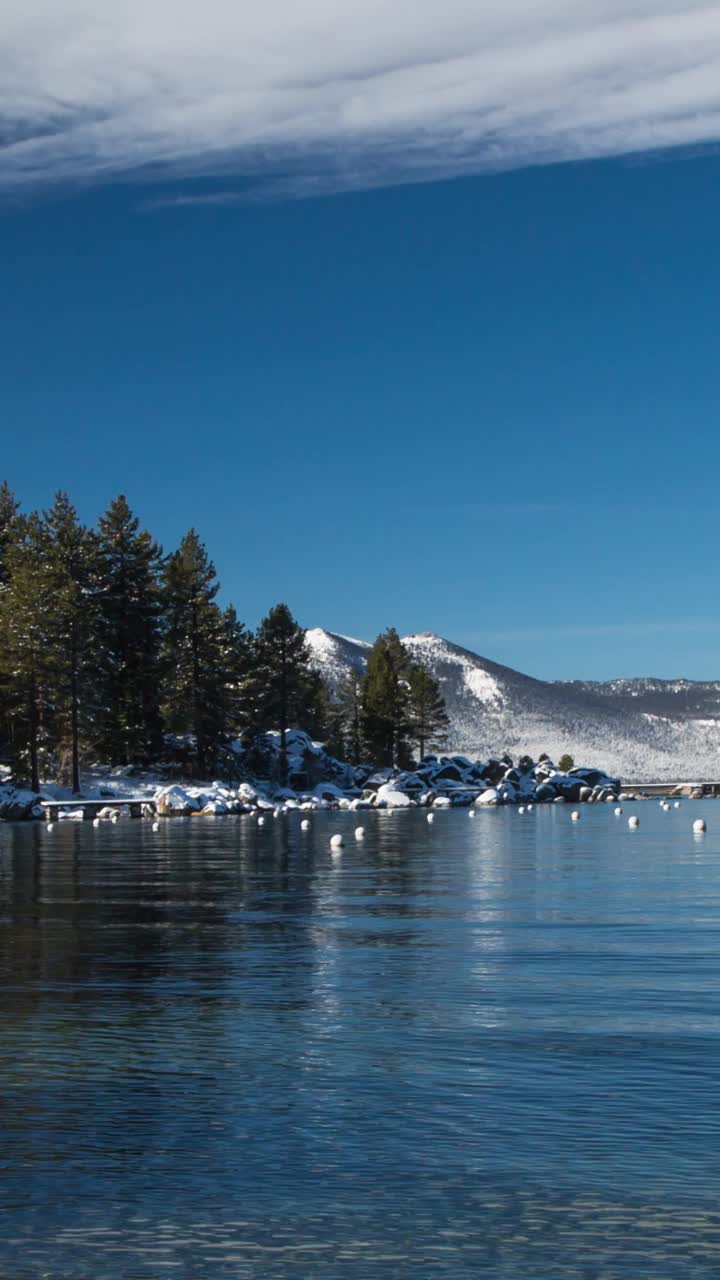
[{"x": 301, "y": 96}]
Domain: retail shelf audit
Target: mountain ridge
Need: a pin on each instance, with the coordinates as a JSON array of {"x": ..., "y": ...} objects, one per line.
[{"x": 638, "y": 728}]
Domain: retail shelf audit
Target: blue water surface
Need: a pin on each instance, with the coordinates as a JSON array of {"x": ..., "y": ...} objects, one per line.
[{"x": 477, "y": 1047}]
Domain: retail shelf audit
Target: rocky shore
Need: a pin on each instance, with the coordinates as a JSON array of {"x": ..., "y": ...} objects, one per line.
[{"x": 317, "y": 780}]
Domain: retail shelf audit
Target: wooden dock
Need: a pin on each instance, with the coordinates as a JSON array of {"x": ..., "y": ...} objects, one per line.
[{"x": 91, "y": 808}]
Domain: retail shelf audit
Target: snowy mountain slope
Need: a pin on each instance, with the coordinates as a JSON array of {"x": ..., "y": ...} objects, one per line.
[
  {"x": 679, "y": 699},
  {"x": 637, "y": 729}
]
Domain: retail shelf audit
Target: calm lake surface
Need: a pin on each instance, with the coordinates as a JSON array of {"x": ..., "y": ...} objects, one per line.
[{"x": 484, "y": 1046}]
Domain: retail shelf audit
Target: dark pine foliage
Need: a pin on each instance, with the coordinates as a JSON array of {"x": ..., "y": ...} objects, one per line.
[
  {"x": 197, "y": 694},
  {"x": 385, "y": 719},
  {"x": 129, "y": 726},
  {"x": 428, "y": 718},
  {"x": 71, "y": 631},
  {"x": 25, "y": 650},
  {"x": 286, "y": 687},
  {"x": 109, "y": 652}
]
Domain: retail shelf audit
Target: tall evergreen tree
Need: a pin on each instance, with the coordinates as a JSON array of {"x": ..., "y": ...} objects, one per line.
[
  {"x": 71, "y": 625},
  {"x": 350, "y": 700},
  {"x": 287, "y": 687},
  {"x": 384, "y": 702},
  {"x": 198, "y": 692},
  {"x": 129, "y": 727},
  {"x": 9, "y": 507},
  {"x": 238, "y": 658},
  {"x": 427, "y": 713},
  {"x": 25, "y": 648},
  {"x": 8, "y": 527}
]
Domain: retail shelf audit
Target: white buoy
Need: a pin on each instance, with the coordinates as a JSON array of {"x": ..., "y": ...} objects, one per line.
[
  {"x": 431, "y": 817},
  {"x": 115, "y": 817},
  {"x": 666, "y": 808},
  {"x": 521, "y": 808},
  {"x": 305, "y": 825},
  {"x": 471, "y": 813},
  {"x": 336, "y": 842},
  {"x": 96, "y": 822},
  {"x": 49, "y": 826},
  {"x": 633, "y": 822},
  {"x": 276, "y": 813},
  {"x": 699, "y": 826},
  {"x": 359, "y": 833},
  {"x": 618, "y": 811},
  {"x": 261, "y": 822},
  {"x": 529, "y": 808},
  {"x": 677, "y": 804},
  {"x": 575, "y": 815},
  {"x": 156, "y": 826}
]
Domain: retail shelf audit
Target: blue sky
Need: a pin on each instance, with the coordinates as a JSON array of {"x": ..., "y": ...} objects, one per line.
[{"x": 482, "y": 404}]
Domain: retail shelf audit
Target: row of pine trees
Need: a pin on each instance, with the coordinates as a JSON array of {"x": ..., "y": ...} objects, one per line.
[{"x": 112, "y": 651}]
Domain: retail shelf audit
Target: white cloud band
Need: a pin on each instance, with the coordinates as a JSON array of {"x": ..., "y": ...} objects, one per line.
[{"x": 312, "y": 93}]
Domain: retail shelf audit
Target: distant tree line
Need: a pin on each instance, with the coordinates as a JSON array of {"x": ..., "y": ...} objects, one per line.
[{"x": 111, "y": 651}]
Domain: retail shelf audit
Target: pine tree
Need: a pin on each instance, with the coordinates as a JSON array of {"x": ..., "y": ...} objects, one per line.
[
  {"x": 71, "y": 613},
  {"x": 8, "y": 528},
  {"x": 287, "y": 687},
  {"x": 385, "y": 701},
  {"x": 426, "y": 710},
  {"x": 237, "y": 663},
  {"x": 25, "y": 648},
  {"x": 9, "y": 507},
  {"x": 198, "y": 686},
  {"x": 351, "y": 716},
  {"x": 130, "y": 563}
]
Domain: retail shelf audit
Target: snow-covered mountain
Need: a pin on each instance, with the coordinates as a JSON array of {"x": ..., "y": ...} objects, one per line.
[{"x": 641, "y": 730}]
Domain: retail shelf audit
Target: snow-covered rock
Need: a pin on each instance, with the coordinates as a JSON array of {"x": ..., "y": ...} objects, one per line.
[
  {"x": 17, "y": 803},
  {"x": 174, "y": 800},
  {"x": 390, "y": 797},
  {"x": 489, "y": 796}
]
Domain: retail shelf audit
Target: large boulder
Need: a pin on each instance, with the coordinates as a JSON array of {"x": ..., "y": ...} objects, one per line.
[
  {"x": 489, "y": 796},
  {"x": 17, "y": 804},
  {"x": 388, "y": 797},
  {"x": 545, "y": 793},
  {"x": 173, "y": 802}
]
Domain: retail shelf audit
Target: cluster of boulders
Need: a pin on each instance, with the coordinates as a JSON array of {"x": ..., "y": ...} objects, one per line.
[
  {"x": 454, "y": 780},
  {"x": 437, "y": 781}
]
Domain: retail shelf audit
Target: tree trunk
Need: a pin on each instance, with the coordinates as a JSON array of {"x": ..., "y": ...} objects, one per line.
[
  {"x": 74, "y": 729},
  {"x": 33, "y": 744}
]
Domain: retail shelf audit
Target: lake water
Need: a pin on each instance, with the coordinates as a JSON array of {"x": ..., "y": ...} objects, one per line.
[{"x": 484, "y": 1046}]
